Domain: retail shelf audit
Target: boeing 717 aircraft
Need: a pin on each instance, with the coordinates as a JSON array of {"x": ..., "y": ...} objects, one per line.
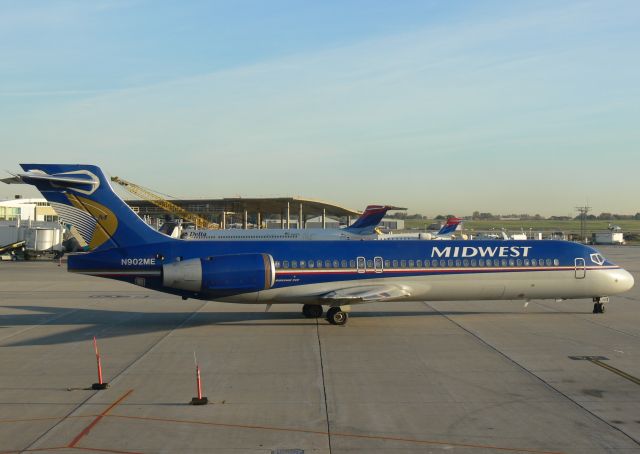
[
  {"x": 363, "y": 228},
  {"x": 336, "y": 274}
]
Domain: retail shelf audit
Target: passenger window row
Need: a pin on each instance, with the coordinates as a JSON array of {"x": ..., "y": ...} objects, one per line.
[
  {"x": 440, "y": 263},
  {"x": 252, "y": 237}
]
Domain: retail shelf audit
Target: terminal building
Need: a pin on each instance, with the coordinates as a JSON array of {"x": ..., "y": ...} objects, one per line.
[
  {"x": 286, "y": 212},
  {"x": 20, "y": 209},
  {"x": 29, "y": 225},
  {"x": 270, "y": 213},
  {"x": 31, "y": 214},
  {"x": 34, "y": 219},
  {"x": 239, "y": 212}
]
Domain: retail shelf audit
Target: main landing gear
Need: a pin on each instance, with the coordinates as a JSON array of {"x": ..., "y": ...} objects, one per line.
[
  {"x": 312, "y": 310},
  {"x": 335, "y": 315},
  {"x": 598, "y": 304}
]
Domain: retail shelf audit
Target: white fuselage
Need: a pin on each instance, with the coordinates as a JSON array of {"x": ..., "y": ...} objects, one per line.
[
  {"x": 272, "y": 235},
  {"x": 412, "y": 236},
  {"x": 524, "y": 285}
]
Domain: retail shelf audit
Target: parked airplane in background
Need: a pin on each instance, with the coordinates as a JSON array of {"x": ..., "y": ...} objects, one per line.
[
  {"x": 445, "y": 233},
  {"x": 316, "y": 273},
  {"x": 362, "y": 228}
]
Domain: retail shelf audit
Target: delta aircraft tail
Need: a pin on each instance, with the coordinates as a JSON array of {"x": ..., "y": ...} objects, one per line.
[
  {"x": 370, "y": 219},
  {"x": 450, "y": 226},
  {"x": 82, "y": 196}
]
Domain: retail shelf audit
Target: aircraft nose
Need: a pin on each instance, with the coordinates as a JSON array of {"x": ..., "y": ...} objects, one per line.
[{"x": 621, "y": 280}]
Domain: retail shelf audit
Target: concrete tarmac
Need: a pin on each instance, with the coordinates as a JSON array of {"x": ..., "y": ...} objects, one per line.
[{"x": 454, "y": 377}]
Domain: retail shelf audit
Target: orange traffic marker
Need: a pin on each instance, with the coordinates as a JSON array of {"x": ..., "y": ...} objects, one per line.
[
  {"x": 199, "y": 400},
  {"x": 101, "y": 384}
]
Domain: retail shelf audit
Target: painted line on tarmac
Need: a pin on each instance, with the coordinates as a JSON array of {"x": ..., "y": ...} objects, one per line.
[
  {"x": 119, "y": 374},
  {"x": 83, "y": 448},
  {"x": 33, "y": 450},
  {"x": 113, "y": 451},
  {"x": 337, "y": 434},
  {"x": 57, "y": 448},
  {"x": 93, "y": 423},
  {"x": 616, "y": 371},
  {"x": 44, "y": 322},
  {"x": 533, "y": 374},
  {"x": 324, "y": 388},
  {"x": 47, "y": 418},
  {"x": 597, "y": 360}
]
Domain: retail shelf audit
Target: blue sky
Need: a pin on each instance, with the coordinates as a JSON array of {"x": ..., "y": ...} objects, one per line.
[{"x": 441, "y": 106}]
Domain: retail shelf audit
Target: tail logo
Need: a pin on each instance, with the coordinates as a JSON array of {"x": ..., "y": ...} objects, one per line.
[
  {"x": 94, "y": 222},
  {"x": 82, "y": 178},
  {"x": 93, "y": 182}
]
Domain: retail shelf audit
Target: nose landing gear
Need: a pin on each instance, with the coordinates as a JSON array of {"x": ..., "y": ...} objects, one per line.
[{"x": 599, "y": 304}]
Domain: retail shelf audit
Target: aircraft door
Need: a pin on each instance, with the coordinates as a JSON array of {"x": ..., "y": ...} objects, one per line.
[
  {"x": 581, "y": 269},
  {"x": 361, "y": 265},
  {"x": 378, "y": 265}
]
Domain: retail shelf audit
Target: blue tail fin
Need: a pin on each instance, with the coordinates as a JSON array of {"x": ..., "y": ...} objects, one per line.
[
  {"x": 370, "y": 219},
  {"x": 450, "y": 227},
  {"x": 83, "y": 198}
]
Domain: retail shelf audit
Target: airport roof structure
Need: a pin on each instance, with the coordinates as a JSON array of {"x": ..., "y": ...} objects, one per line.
[{"x": 241, "y": 209}]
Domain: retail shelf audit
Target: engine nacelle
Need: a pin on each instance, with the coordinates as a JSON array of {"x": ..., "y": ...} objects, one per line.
[{"x": 227, "y": 274}]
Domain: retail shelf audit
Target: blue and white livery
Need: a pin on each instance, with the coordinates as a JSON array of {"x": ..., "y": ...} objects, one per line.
[{"x": 317, "y": 273}]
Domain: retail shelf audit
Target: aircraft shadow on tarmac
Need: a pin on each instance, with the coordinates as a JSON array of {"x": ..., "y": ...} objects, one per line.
[{"x": 114, "y": 323}]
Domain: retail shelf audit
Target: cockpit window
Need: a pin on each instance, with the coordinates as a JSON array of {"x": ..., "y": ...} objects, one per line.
[{"x": 597, "y": 258}]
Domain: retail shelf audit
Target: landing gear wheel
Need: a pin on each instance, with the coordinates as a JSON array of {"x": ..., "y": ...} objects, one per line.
[
  {"x": 335, "y": 316},
  {"x": 312, "y": 310},
  {"x": 598, "y": 308}
]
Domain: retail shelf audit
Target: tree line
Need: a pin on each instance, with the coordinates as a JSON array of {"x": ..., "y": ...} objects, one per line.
[{"x": 480, "y": 216}]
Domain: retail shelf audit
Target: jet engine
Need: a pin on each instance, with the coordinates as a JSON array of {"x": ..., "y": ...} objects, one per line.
[{"x": 224, "y": 274}]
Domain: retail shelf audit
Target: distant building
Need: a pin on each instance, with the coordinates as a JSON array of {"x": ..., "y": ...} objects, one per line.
[
  {"x": 316, "y": 223},
  {"x": 27, "y": 210},
  {"x": 280, "y": 212},
  {"x": 392, "y": 224},
  {"x": 32, "y": 221}
]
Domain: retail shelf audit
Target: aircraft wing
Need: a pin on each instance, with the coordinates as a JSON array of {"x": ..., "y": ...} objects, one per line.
[{"x": 366, "y": 294}]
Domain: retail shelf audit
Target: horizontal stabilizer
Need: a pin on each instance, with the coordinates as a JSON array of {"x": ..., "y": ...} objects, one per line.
[
  {"x": 366, "y": 294},
  {"x": 12, "y": 180},
  {"x": 80, "y": 178}
]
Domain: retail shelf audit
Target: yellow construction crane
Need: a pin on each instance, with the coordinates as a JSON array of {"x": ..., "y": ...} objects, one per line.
[{"x": 163, "y": 203}]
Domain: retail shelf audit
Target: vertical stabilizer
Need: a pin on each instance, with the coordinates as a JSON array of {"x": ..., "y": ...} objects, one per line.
[
  {"x": 83, "y": 198},
  {"x": 370, "y": 219}
]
